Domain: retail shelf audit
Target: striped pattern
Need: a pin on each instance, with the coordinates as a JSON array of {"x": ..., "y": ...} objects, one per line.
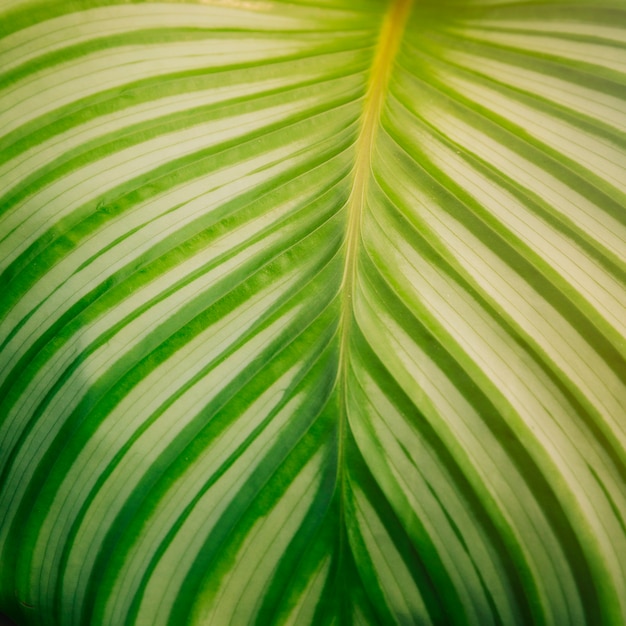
[{"x": 313, "y": 312}]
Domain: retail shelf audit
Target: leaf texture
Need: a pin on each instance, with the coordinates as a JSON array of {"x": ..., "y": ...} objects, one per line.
[{"x": 313, "y": 313}]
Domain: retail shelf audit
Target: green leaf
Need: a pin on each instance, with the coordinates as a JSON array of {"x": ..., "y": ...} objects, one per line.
[{"x": 313, "y": 312}]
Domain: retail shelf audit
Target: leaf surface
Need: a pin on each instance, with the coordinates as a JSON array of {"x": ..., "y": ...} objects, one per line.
[{"x": 313, "y": 313}]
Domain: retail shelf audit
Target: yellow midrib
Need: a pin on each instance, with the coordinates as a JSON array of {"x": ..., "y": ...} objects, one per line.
[
  {"x": 388, "y": 43},
  {"x": 387, "y": 48},
  {"x": 390, "y": 36}
]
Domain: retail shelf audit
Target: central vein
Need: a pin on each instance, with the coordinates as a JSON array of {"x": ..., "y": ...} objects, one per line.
[
  {"x": 388, "y": 43},
  {"x": 391, "y": 34}
]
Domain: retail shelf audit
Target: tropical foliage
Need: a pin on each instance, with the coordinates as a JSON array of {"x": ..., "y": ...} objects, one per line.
[{"x": 313, "y": 312}]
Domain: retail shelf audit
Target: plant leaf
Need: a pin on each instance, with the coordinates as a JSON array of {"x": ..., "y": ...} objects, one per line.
[{"x": 313, "y": 313}]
